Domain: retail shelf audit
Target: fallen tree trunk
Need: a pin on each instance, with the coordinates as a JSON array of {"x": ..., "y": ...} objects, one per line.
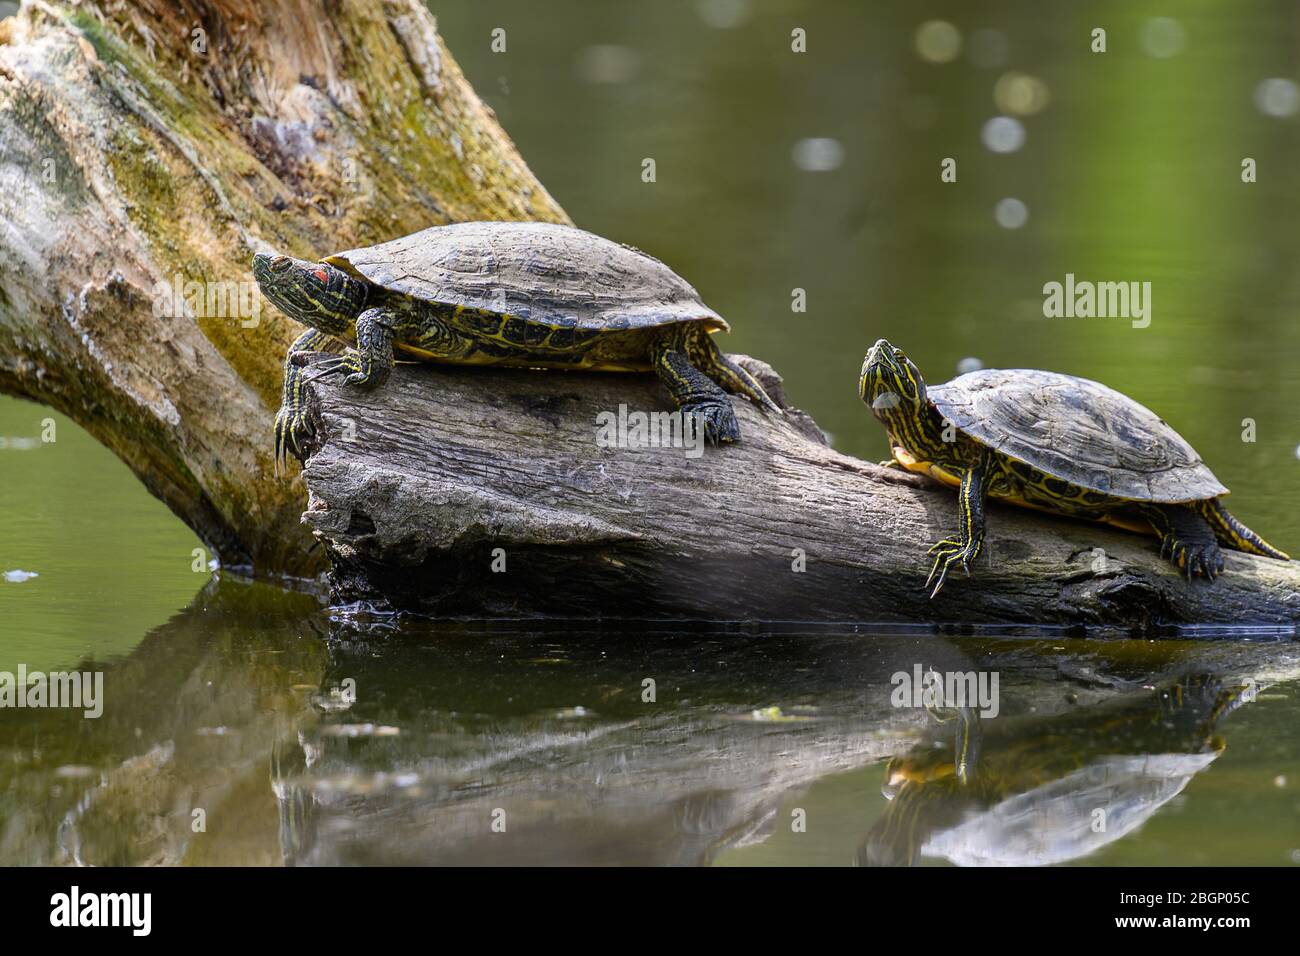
[
  {"x": 414, "y": 488},
  {"x": 147, "y": 150}
]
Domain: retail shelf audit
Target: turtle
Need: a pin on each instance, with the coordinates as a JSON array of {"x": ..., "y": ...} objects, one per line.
[
  {"x": 1055, "y": 443},
  {"x": 527, "y": 294}
]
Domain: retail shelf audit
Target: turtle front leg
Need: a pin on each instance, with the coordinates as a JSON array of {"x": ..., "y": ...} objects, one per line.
[
  {"x": 964, "y": 548},
  {"x": 694, "y": 392},
  {"x": 372, "y": 362},
  {"x": 291, "y": 422},
  {"x": 1186, "y": 539}
]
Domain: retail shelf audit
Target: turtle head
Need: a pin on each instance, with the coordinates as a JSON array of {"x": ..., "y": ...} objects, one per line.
[
  {"x": 314, "y": 293},
  {"x": 890, "y": 384}
]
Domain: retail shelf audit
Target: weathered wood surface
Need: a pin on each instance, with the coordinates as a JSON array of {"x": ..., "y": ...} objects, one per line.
[
  {"x": 414, "y": 485},
  {"x": 160, "y": 143}
]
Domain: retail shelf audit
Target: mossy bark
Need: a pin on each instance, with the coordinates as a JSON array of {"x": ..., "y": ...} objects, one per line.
[{"x": 157, "y": 145}]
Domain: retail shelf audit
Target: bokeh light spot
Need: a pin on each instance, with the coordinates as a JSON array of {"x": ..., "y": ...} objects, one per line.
[
  {"x": 1011, "y": 213},
  {"x": 1163, "y": 37},
  {"x": 1003, "y": 134},
  {"x": 1277, "y": 96},
  {"x": 818, "y": 154},
  {"x": 938, "y": 41},
  {"x": 723, "y": 14},
  {"x": 1020, "y": 94}
]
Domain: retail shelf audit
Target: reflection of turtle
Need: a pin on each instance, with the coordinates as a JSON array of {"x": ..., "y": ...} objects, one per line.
[
  {"x": 1056, "y": 443},
  {"x": 1034, "y": 795},
  {"x": 526, "y": 294}
]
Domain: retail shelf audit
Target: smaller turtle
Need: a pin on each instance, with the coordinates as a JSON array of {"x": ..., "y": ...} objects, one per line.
[
  {"x": 1054, "y": 443},
  {"x": 525, "y": 294}
]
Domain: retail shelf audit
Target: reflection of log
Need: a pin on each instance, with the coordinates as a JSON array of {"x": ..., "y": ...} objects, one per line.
[
  {"x": 414, "y": 485},
  {"x": 189, "y": 721},
  {"x": 227, "y": 708},
  {"x": 687, "y": 777},
  {"x": 165, "y": 142}
]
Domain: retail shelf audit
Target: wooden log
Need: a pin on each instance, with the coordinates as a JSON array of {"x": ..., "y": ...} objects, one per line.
[{"x": 415, "y": 486}]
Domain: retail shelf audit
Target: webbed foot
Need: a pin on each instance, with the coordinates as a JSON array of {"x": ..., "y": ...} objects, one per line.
[
  {"x": 718, "y": 418},
  {"x": 1186, "y": 540},
  {"x": 1196, "y": 558}
]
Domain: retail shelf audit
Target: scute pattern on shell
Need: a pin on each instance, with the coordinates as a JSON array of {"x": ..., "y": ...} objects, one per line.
[
  {"x": 540, "y": 272},
  {"x": 1077, "y": 430}
]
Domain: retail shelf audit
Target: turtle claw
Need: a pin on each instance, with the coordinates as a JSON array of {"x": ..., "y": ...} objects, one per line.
[
  {"x": 949, "y": 552},
  {"x": 291, "y": 425},
  {"x": 1207, "y": 562},
  {"x": 1187, "y": 541},
  {"x": 344, "y": 363},
  {"x": 1196, "y": 560},
  {"x": 718, "y": 418}
]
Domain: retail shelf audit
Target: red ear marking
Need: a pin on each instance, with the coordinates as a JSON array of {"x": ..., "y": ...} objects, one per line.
[{"x": 320, "y": 274}]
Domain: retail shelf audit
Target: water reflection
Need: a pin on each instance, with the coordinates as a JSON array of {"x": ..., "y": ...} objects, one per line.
[
  {"x": 175, "y": 770},
  {"x": 254, "y": 728},
  {"x": 1053, "y": 789}
]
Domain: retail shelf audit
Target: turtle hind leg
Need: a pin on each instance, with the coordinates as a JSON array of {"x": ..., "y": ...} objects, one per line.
[
  {"x": 966, "y": 747},
  {"x": 1186, "y": 539},
  {"x": 1233, "y": 534},
  {"x": 697, "y": 395},
  {"x": 709, "y": 359}
]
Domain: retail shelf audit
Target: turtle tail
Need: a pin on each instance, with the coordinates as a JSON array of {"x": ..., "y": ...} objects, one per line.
[{"x": 1233, "y": 534}]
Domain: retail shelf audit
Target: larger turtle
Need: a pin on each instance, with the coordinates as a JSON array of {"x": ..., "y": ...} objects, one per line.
[
  {"x": 504, "y": 293},
  {"x": 1056, "y": 443}
]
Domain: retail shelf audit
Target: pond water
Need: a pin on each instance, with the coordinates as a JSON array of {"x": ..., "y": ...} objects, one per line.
[
  {"x": 301, "y": 736},
  {"x": 305, "y": 735}
]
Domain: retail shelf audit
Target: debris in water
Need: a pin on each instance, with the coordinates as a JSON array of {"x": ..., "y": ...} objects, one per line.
[{"x": 775, "y": 715}]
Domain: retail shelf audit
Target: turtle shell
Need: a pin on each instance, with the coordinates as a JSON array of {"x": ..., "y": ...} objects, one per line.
[
  {"x": 538, "y": 272},
  {"x": 1079, "y": 431}
]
